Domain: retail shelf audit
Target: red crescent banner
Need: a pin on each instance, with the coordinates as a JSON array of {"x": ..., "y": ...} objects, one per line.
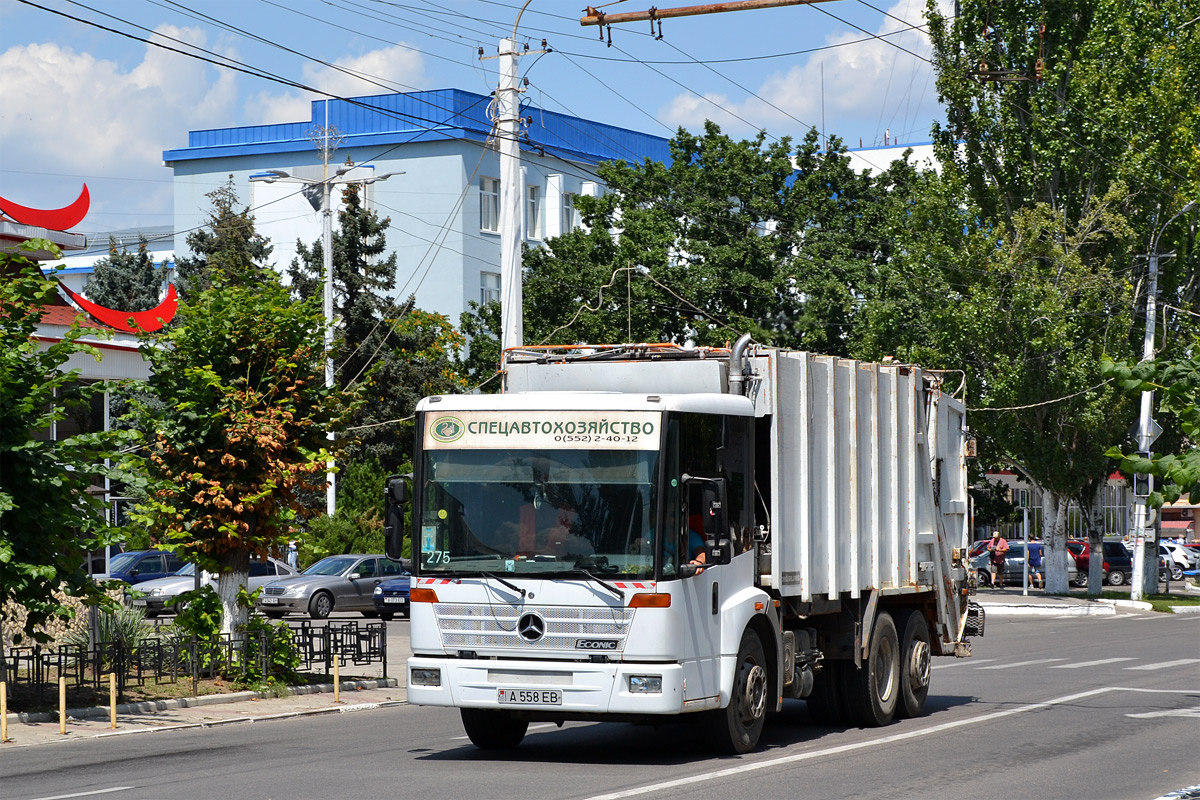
[
  {"x": 55, "y": 219},
  {"x": 148, "y": 321}
]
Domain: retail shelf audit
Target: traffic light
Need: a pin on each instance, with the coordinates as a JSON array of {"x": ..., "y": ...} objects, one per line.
[{"x": 1143, "y": 482}]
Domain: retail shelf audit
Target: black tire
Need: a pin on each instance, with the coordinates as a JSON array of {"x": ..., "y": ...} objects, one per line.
[
  {"x": 873, "y": 690},
  {"x": 274, "y": 614},
  {"x": 825, "y": 702},
  {"x": 386, "y": 616},
  {"x": 1116, "y": 578},
  {"x": 1176, "y": 572},
  {"x": 736, "y": 728},
  {"x": 1081, "y": 579},
  {"x": 493, "y": 730},
  {"x": 915, "y": 655},
  {"x": 320, "y": 605},
  {"x": 983, "y": 577}
]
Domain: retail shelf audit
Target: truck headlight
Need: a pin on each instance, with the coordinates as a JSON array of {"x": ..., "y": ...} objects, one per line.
[
  {"x": 425, "y": 676},
  {"x": 645, "y": 684}
]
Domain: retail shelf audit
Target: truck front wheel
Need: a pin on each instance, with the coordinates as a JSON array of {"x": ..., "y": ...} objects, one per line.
[
  {"x": 736, "y": 728},
  {"x": 493, "y": 730},
  {"x": 873, "y": 690},
  {"x": 915, "y": 656}
]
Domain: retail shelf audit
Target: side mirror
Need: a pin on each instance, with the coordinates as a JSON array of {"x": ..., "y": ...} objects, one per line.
[
  {"x": 396, "y": 494},
  {"x": 397, "y": 490},
  {"x": 718, "y": 552},
  {"x": 354, "y": 576}
]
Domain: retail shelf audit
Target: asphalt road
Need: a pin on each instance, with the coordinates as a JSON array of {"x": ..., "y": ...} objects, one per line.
[{"x": 1092, "y": 707}]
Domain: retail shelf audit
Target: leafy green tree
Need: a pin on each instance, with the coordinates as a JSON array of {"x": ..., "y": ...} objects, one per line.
[
  {"x": 730, "y": 237},
  {"x": 49, "y": 518},
  {"x": 1176, "y": 383},
  {"x": 243, "y": 430},
  {"x": 124, "y": 280},
  {"x": 228, "y": 243}
]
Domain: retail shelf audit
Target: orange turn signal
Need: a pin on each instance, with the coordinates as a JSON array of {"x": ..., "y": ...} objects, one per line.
[
  {"x": 646, "y": 600},
  {"x": 416, "y": 595}
]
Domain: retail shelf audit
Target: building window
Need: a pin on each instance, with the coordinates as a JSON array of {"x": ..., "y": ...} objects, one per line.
[
  {"x": 489, "y": 204},
  {"x": 569, "y": 218},
  {"x": 533, "y": 215},
  {"x": 489, "y": 287}
]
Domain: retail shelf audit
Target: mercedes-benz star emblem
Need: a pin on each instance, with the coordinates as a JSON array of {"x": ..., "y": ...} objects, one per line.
[{"x": 531, "y": 627}]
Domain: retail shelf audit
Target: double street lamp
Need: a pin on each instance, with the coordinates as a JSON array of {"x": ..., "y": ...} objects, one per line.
[{"x": 325, "y": 188}]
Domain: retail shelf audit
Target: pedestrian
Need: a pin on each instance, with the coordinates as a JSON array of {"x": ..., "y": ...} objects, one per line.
[
  {"x": 293, "y": 555},
  {"x": 1036, "y": 579},
  {"x": 998, "y": 548}
]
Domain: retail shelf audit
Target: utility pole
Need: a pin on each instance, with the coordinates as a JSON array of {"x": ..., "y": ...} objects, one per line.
[{"x": 1145, "y": 579}]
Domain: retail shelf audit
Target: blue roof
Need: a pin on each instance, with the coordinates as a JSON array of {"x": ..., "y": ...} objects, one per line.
[{"x": 442, "y": 114}]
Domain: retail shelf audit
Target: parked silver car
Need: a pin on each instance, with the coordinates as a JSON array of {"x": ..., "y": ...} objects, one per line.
[
  {"x": 156, "y": 595},
  {"x": 335, "y": 583}
]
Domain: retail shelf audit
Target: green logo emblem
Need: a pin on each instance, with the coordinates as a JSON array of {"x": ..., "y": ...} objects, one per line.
[{"x": 447, "y": 429}]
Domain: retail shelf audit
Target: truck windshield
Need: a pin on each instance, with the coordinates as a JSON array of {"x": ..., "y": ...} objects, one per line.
[{"x": 523, "y": 512}]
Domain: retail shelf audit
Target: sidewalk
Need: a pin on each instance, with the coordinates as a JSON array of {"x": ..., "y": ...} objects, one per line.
[
  {"x": 1010, "y": 601},
  {"x": 201, "y": 712}
]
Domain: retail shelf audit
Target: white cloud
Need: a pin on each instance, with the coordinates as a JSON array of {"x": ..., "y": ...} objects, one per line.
[
  {"x": 868, "y": 87},
  {"x": 390, "y": 69},
  {"x": 73, "y": 113}
]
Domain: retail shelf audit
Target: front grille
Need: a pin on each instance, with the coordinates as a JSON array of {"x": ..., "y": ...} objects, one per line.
[
  {"x": 273, "y": 590},
  {"x": 477, "y": 627}
]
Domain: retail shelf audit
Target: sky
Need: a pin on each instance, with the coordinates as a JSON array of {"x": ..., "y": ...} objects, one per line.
[{"x": 87, "y": 104}]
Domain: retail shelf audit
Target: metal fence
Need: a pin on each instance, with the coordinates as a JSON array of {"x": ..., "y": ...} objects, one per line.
[{"x": 167, "y": 658}]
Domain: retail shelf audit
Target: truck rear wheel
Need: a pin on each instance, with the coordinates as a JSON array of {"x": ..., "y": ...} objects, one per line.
[
  {"x": 493, "y": 730},
  {"x": 915, "y": 656},
  {"x": 873, "y": 690},
  {"x": 737, "y": 727}
]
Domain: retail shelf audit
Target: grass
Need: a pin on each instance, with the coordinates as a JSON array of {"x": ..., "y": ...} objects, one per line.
[{"x": 1159, "y": 602}]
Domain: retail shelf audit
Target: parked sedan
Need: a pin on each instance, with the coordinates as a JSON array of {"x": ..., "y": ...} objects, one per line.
[
  {"x": 139, "y": 566},
  {"x": 1014, "y": 566},
  {"x": 335, "y": 583},
  {"x": 391, "y": 597},
  {"x": 157, "y": 595}
]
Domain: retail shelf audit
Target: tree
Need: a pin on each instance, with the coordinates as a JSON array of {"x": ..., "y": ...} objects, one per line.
[
  {"x": 243, "y": 430},
  {"x": 125, "y": 280},
  {"x": 729, "y": 237},
  {"x": 228, "y": 244},
  {"x": 50, "y": 515},
  {"x": 395, "y": 351},
  {"x": 1177, "y": 383}
]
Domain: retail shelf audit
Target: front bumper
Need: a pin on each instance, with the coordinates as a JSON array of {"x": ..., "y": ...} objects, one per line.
[
  {"x": 586, "y": 688},
  {"x": 297, "y": 605}
]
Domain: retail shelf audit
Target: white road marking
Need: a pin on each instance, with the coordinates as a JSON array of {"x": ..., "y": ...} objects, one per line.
[
  {"x": 1167, "y": 664},
  {"x": 1083, "y": 664},
  {"x": 1172, "y": 712},
  {"x": 707, "y": 777},
  {"x": 1025, "y": 663},
  {"x": 958, "y": 662},
  {"x": 539, "y": 726},
  {"x": 86, "y": 794}
]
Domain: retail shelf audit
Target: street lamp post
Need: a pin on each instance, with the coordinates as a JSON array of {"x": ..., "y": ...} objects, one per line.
[
  {"x": 326, "y": 187},
  {"x": 1144, "y": 550}
]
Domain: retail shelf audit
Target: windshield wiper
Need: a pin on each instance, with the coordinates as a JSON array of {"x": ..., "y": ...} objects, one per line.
[
  {"x": 613, "y": 589},
  {"x": 507, "y": 584}
]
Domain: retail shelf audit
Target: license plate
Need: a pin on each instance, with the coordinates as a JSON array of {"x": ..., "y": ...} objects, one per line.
[
  {"x": 139, "y": 601},
  {"x": 395, "y": 600},
  {"x": 530, "y": 697},
  {"x": 269, "y": 601}
]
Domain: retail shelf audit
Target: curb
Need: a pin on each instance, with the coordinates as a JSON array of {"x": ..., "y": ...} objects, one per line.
[
  {"x": 1045, "y": 609},
  {"x": 102, "y": 712},
  {"x": 1185, "y": 609},
  {"x": 1141, "y": 604}
]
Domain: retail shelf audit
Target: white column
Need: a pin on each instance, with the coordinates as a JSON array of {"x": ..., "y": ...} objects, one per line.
[{"x": 552, "y": 206}]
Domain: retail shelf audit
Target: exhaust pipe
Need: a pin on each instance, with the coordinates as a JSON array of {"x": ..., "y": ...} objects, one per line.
[{"x": 739, "y": 367}]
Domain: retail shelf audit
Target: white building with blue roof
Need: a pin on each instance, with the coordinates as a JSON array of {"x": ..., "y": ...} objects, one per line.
[{"x": 444, "y": 209}]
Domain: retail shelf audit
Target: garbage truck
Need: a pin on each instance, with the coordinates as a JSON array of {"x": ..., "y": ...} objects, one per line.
[{"x": 641, "y": 531}]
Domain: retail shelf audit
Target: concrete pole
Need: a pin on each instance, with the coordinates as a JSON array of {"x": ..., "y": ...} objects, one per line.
[
  {"x": 511, "y": 195},
  {"x": 1145, "y": 581},
  {"x": 327, "y": 253}
]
